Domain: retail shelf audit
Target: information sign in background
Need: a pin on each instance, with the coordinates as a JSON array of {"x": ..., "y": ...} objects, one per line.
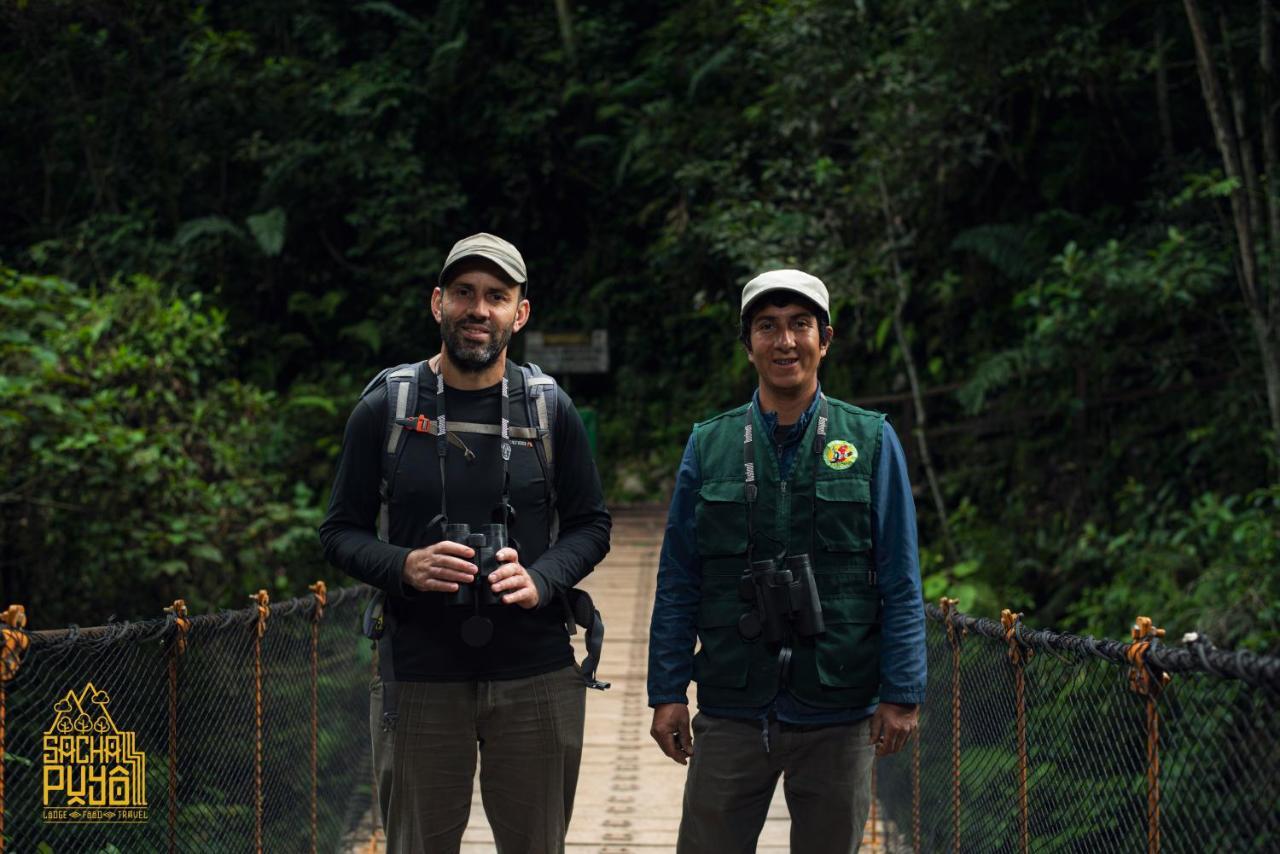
[{"x": 569, "y": 352}]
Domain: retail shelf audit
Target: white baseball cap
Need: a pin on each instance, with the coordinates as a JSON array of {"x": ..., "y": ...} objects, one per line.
[
  {"x": 491, "y": 248},
  {"x": 797, "y": 281}
]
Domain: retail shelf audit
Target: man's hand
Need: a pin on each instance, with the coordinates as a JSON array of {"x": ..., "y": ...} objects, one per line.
[
  {"x": 891, "y": 726},
  {"x": 440, "y": 566},
  {"x": 513, "y": 581},
  {"x": 671, "y": 730}
]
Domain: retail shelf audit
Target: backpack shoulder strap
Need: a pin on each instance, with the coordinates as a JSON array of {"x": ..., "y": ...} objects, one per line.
[
  {"x": 402, "y": 395},
  {"x": 541, "y": 401},
  {"x": 376, "y": 381},
  {"x": 541, "y": 394}
]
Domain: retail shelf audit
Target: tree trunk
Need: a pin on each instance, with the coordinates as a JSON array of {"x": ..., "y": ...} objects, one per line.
[
  {"x": 918, "y": 427},
  {"x": 1162, "y": 91},
  {"x": 913, "y": 377},
  {"x": 1228, "y": 147},
  {"x": 1239, "y": 114},
  {"x": 566, "y": 32},
  {"x": 1247, "y": 208},
  {"x": 1270, "y": 114},
  {"x": 1270, "y": 352},
  {"x": 1268, "y": 333}
]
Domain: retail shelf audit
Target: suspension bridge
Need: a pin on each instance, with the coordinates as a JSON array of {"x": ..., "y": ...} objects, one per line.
[{"x": 247, "y": 730}]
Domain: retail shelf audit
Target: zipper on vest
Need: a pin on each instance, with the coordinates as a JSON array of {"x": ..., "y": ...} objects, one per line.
[{"x": 782, "y": 516}]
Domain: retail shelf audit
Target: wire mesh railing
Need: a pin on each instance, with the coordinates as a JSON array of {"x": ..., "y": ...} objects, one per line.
[
  {"x": 240, "y": 731},
  {"x": 247, "y": 730},
  {"x": 1041, "y": 741}
]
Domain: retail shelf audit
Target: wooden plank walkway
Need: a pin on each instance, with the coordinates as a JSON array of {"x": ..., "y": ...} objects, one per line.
[{"x": 629, "y": 793}]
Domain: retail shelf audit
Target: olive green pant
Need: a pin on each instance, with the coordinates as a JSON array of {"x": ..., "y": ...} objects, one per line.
[
  {"x": 826, "y": 775},
  {"x": 529, "y": 738}
]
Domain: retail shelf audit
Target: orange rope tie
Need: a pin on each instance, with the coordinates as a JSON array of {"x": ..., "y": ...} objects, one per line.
[
  {"x": 179, "y": 611},
  {"x": 1018, "y": 657},
  {"x": 263, "y": 602},
  {"x": 373, "y": 805},
  {"x": 1143, "y": 680},
  {"x": 954, "y": 637},
  {"x": 14, "y": 623},
  {"x": 322, "y": 598}
]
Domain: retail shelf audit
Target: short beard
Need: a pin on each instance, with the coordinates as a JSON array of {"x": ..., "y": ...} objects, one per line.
[{"x": 473, "y": 358}]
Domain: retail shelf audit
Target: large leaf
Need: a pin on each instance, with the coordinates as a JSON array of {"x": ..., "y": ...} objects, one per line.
[
  {"x": 268, "y": 230},
  {"x": 365, "y": 331},
  {"x": 207, "y": 226}
]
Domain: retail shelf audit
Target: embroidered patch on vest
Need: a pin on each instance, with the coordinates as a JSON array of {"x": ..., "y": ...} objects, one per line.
[{"x": 839, "y": 454}]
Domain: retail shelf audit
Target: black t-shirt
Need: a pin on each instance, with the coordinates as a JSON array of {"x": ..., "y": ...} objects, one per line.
[{"x": 422, "y": 640}]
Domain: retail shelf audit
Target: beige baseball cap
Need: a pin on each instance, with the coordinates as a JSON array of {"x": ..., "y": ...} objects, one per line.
[
  {"x": 491, "y": 248},
  {"x": 796, "y": 281}
]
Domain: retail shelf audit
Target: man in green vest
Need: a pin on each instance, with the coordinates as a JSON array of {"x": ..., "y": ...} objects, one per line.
[{"x": 790, "y": 557}]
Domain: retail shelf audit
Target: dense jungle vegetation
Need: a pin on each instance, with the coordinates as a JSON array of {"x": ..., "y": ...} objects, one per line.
[{"x": 1050, "y": 229}]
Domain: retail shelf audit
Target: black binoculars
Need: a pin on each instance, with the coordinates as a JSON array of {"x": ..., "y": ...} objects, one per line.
[
  {"x": 486, "y": 541},
  {"x": 785, "y": 599}
]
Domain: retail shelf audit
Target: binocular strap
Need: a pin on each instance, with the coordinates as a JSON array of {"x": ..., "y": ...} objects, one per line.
[
  {"x": 784, "y": 666},
  {"x": 583, "y": 612},
  {"x": 390, "y": 705},
  {"x": 749, "y": 487},
  {"x": 595, "y": 642},
  {"x": 442, "y": 449}
]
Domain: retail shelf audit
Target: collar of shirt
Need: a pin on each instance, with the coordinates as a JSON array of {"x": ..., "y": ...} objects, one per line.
[{"x": 785, "y": 448}]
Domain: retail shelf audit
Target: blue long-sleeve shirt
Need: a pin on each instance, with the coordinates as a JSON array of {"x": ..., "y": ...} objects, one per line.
[{"x": 673, "y": 630}]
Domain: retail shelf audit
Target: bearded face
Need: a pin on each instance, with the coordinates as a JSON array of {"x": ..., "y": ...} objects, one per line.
[
  {"x": 474, "y": 343},
  {"x": 478, "y": 311}
]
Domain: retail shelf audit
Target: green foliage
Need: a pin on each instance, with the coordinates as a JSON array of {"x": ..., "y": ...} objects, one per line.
[
  {"x": 136, "y": 470},
  {"x": 1206, "y": 566},
  {"x": 1129, "y": 294},
  {"x": 1010, "y": 249},
  {"x": 1125, "y": 357},
  {"x": 1001, "y": 171}
]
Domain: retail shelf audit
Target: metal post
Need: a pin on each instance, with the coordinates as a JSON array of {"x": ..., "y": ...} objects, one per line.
[
  {"x": 322, "y": 598},
  {"x": 954, "y": 637},
  {"x": 263, "y": 602},
  {"x": 13, "y": 623},
  {"x": 1149, "y": 683},
  {"x": 179, "y": 611},
  {"x": 915, "y": 791},
  {"x": 373, "y": 789},
  {"x": 1018, "y": 657}
]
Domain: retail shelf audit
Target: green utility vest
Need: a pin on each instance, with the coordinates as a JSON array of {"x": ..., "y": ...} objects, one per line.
[{"x": 824, "y": 509}]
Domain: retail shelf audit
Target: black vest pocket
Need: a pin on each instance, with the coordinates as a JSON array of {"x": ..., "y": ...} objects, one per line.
[
  {"x": 843, "y": 519},
  {"x": 848, "y": 653},
  {"x": 721, "y": 518},
  {"x": 723, "y": 657}
]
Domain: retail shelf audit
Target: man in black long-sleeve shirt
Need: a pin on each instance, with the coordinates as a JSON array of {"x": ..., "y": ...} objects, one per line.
[{"x": 454, "y": 676}]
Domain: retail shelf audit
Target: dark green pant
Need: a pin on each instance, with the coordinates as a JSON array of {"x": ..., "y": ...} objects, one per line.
[
  {"x": 826, "y": 779},
  {"x": 529, "y": 733}
]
